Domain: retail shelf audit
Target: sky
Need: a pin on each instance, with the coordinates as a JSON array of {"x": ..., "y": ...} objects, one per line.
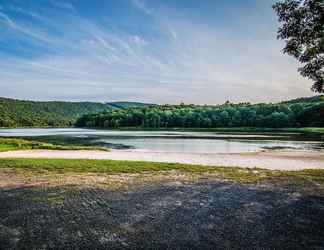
[{"x": 156, "y": 51}]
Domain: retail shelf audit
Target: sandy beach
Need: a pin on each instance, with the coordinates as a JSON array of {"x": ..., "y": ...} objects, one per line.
[{"x": 274, "y": 160}]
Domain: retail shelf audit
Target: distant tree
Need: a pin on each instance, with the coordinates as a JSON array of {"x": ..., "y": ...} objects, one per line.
[
  {"x": 224, "y": 117},
  {"x": 307, "y": 112},
  {"x": 277, "y": 120},
  {"x": 206, "y": 123},
  {"x": 302, "y": 28},
  {"x": 297, "y": 108},
  {"x": 237, "y": 119},
  {"x": 312, "y": 116}
]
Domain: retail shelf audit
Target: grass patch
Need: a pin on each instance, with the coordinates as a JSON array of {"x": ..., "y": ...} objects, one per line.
[
  {"x": 7, "y": 147},
  {"x": 96, "y": 166},
  {"x": 10, "y": 144},
  {"x": 239, "y": 175}
]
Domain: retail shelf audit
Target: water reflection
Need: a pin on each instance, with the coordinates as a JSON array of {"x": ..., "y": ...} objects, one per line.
[{"x": 169, "y": 141}]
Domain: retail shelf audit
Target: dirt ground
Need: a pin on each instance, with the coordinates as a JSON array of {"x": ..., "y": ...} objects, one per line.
[{"x": 156, "y": 211}]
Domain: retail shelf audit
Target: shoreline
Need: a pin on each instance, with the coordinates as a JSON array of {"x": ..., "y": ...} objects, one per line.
[{"x": 272, "y": 160}]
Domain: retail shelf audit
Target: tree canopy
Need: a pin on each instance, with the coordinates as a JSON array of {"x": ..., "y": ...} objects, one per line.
[
  {"x": 306, "y": 112},
  {"x": 302, "y": 28},
  {"x": 293, "y": 113}
]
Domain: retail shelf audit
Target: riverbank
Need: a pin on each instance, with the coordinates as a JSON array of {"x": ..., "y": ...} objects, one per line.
[
  {"x": 61, "y": 168},
  {"x": 273, "y": 159},
  {"x": 12, "y": 144}
]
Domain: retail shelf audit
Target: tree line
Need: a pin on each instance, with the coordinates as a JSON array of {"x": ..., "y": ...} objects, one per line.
[
  {"x": 294, "y": 113},
  {"x": 289, "y": 114}
]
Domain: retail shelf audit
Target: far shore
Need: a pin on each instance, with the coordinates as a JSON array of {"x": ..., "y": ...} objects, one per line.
[{"x": 273, "y": 160}]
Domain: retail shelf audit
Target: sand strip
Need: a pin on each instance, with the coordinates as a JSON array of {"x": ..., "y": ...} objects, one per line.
[{"x": 276, "y": 160}]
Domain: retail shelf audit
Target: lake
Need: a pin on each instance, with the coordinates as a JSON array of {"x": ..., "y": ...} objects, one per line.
[{"x": 170, "y": 141}]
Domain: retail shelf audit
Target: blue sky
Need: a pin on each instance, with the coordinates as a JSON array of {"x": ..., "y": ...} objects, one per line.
[{"x": 159, "y": 51}]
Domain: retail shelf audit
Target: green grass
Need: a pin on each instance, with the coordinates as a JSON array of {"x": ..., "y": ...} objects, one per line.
[
  {"x": 10, "y": 144},
  {"x": 96, "y": 166},
  {"x": 308, "y": 130},
  {"x": 7, "y": 147},
  {"x": 239, "y": 175}
]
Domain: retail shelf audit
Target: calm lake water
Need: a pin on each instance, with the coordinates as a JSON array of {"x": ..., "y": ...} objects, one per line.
[{"x": 170, "y": 141}]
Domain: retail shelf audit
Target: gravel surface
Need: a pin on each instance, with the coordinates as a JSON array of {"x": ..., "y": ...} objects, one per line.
[{"x": 167, "y": 215}]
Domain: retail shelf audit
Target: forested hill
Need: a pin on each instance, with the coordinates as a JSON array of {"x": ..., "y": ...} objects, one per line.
[
  {"x": 305, "y": 100},
  {"x": 18, "y": 113},
  {"x": 127, "y": 105},
  {"x": 295, "y": 113}
]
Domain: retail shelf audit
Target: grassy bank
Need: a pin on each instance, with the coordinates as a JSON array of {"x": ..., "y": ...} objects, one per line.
[
  {"x": 9, "y": 144},
  {"x": 240, "y": 175}
]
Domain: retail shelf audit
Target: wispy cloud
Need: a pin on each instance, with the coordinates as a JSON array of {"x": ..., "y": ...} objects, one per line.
[
  {"x": 139, "y": 40},
  {"x": 63, "y": 5},
  {"x": 142, "y": 6},
  {"x": 173, "y": 60},
  {"x": 18, "y": 28},
  {"x": 29, "y": 13},
  {"x": 6, "y": 20}
]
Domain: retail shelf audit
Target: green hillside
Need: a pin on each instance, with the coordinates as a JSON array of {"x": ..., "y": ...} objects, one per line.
[
  {"x": 18, "y": 113},
  {"x": 312, "y": 99},
  {"x": 126, "y": 105},
  {"x": 302, "y": 112}
]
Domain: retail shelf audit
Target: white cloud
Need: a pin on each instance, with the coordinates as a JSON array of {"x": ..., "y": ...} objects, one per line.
[
  {"x": 27, "y": 31},
  {"x": 29, "y": 13},
  {"x": 65, "y": 5},
  {"x": 191, "y": 62},
  {"x": 141, "y": 5},
  {"x": 139, "y": 41}
]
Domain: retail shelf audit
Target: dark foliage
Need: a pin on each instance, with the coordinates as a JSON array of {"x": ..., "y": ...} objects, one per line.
[
  {"x": 302, "y": 28},
  {"x": 17, "y": 113},
  {"x": 126, "y": 105},
  {"x": 306, "y": 112}
]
